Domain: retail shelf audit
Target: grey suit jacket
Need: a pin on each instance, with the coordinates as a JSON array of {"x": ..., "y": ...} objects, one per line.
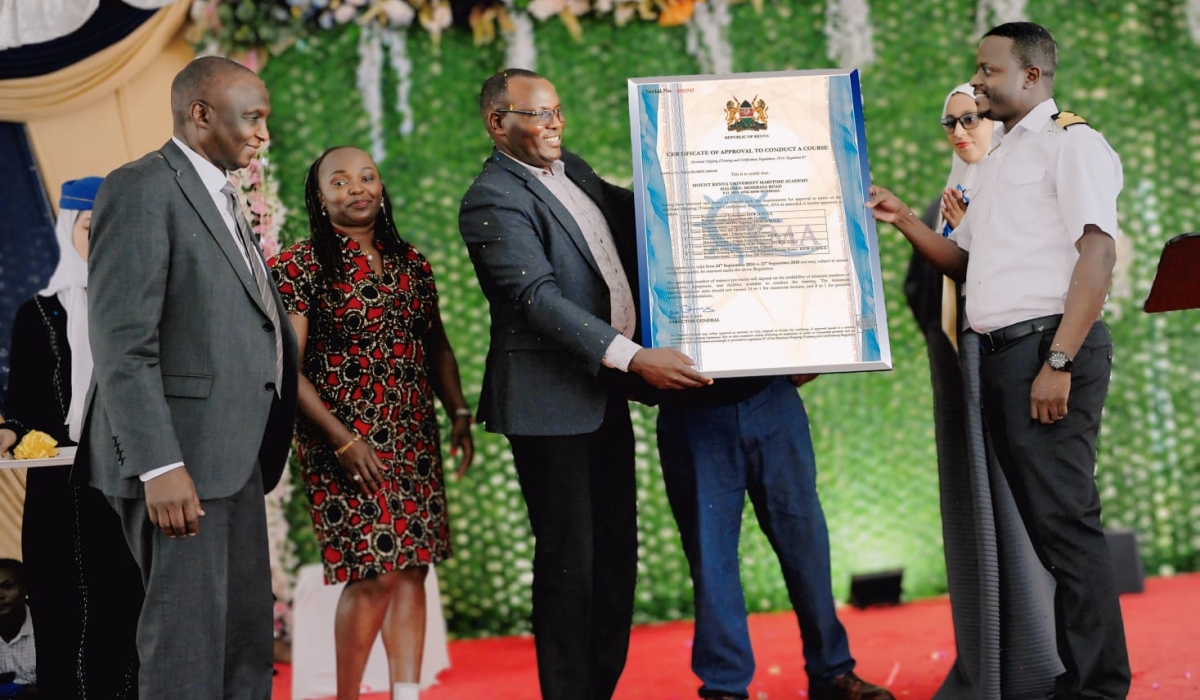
[
  {"x": 549, "y": 303},
  {"x": 184, "y": 351}
]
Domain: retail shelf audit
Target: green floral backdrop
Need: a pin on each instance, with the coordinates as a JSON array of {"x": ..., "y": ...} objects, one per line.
[{"x": 1127, "y": 67}]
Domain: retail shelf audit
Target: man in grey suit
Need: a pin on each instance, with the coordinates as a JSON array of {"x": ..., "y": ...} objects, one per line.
[
  {"x": 194, "y": 390},
  {"x": 552, "y": 244}
]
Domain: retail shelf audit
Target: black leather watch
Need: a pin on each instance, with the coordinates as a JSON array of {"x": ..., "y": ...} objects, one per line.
[{"x": 1058, "y": 361}]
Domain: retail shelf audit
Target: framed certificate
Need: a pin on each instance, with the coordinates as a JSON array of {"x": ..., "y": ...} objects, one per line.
[{"x": 756, "y": 252}]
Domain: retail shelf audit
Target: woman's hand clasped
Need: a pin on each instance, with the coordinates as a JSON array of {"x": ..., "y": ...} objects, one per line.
[
  {"x": 954, "y": 206},
  {"x": 362, "y": 465}
]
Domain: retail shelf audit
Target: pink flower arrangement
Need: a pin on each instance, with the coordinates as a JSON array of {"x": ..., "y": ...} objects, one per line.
[{"x": 260, "y": 203}]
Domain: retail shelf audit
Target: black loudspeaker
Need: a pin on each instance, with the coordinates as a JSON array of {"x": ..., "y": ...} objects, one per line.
[
  {"x": 878, "y": 588},
  {"x": 1128, "y": 573}
]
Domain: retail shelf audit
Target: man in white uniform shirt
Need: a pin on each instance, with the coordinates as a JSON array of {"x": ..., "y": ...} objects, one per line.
[
  {"x": 1036, "y": 250},
  {"x": 553, "y": 248}
]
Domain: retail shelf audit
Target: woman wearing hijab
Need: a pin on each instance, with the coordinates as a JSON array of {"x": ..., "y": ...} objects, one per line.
[
  {"x": 1001, "y": 598},
  {"x": 971, "y": 137},
  {"x": 84, "y": 589},
  {"x": 933, "y": 298},
  {"x": 48, "y": 381}
]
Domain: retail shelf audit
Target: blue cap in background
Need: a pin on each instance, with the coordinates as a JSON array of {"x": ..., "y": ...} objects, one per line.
[{"x": 80, "y": 194}]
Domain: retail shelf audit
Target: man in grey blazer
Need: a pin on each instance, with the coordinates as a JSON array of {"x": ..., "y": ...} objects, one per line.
[
  {"x": 194, "y": 390},
  {"x": 552, "y": 244}
]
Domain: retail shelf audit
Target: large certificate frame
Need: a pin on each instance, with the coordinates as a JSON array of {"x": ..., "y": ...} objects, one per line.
[{"x": 756, "y": 253}]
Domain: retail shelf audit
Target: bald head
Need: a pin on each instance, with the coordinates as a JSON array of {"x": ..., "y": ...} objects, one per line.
[
  {"x": 202, "y": 80},
  {"x": 221, "y": 110}
]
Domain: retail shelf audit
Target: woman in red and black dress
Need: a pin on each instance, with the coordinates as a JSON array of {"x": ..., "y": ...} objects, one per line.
[{"x": 365, "y": 310}]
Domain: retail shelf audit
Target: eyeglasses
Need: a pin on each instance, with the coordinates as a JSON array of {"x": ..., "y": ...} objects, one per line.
[
  {"x": 545, "y": 117},
  {"x": 970, "y": 120}
]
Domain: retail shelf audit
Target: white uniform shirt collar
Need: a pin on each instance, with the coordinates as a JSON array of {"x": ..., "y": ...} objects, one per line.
[{"x": 1035, "y": 121}]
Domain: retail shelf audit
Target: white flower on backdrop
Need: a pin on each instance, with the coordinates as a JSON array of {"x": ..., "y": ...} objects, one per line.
[
  {"x": 436, "y": 17},
  {"x": 369, "y": 79},
  {"x": 396, "y": 42},
  {"x": 1192, "y": 12},
  {"x": 521, "y": 51},
  {"x": 708, "y": 38},
  {"x": 990, "y": 13},
  {"x": 399, "y": 13},
  {"x": 848, "y": 30},
  {"x": 545, "y": 9}
]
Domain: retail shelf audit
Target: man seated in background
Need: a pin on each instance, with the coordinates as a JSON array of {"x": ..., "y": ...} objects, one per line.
[{"x": 17, "y": 657}]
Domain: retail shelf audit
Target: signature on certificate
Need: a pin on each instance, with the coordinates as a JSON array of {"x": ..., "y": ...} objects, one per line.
[{"x": 695, "y": 313}]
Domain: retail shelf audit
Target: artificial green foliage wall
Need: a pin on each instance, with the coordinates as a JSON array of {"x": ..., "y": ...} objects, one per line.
[{"x": 1127, "y": 67}]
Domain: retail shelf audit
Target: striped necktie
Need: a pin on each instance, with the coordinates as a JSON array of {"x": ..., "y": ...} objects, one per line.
[{"x": 259, "y": 272}]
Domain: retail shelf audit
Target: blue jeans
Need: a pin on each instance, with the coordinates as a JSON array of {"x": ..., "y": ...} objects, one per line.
[{"x": 712, "y": 456}]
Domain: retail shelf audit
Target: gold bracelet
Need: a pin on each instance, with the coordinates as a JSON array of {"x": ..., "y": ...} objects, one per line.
[{"x": 338, "y": 452}]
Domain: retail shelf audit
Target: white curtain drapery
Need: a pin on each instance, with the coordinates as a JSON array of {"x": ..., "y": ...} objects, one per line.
[{"x": 36, "y": 21}]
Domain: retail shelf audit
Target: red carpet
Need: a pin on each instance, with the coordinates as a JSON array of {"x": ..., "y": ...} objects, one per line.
[{"x": 909, "y": 648}]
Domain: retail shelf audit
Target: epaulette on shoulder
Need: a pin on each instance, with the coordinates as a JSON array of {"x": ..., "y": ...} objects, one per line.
[{"x": 1065, "y": 119}]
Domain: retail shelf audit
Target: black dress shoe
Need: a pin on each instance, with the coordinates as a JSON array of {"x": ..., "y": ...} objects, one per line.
[{"x": 849, "y": 687}]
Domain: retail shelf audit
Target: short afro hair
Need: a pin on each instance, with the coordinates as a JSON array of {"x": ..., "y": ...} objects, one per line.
[
  {"x": 495, "y": 89},
  {"x": 1032, "y": 45}
]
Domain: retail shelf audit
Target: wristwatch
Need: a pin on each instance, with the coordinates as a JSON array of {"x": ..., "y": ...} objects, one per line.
[{"x": 1058, "y": 361}]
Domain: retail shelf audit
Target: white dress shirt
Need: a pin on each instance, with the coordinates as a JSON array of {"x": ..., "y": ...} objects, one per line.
[
  {"x": 1038, "y": 188},
  {"x": 18, "y": 654},
  {"x": 600, "y": 242},
  {"x": 214, "y": 179}
]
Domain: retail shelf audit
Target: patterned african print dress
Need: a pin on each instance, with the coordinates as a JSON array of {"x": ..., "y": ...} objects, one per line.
[{"x": 366, "y": 356}]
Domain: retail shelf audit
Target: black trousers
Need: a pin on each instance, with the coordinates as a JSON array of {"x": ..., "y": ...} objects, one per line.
[
  {"x": 1051, "y": 469},
  {"x": 582, "y": 500},
  {"x": 85, "y": 590},
  {"x": 205, "y": 629}
]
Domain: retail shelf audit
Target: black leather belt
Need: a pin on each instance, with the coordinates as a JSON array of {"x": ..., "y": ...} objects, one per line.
[{"x": 1003, "y": 337}]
